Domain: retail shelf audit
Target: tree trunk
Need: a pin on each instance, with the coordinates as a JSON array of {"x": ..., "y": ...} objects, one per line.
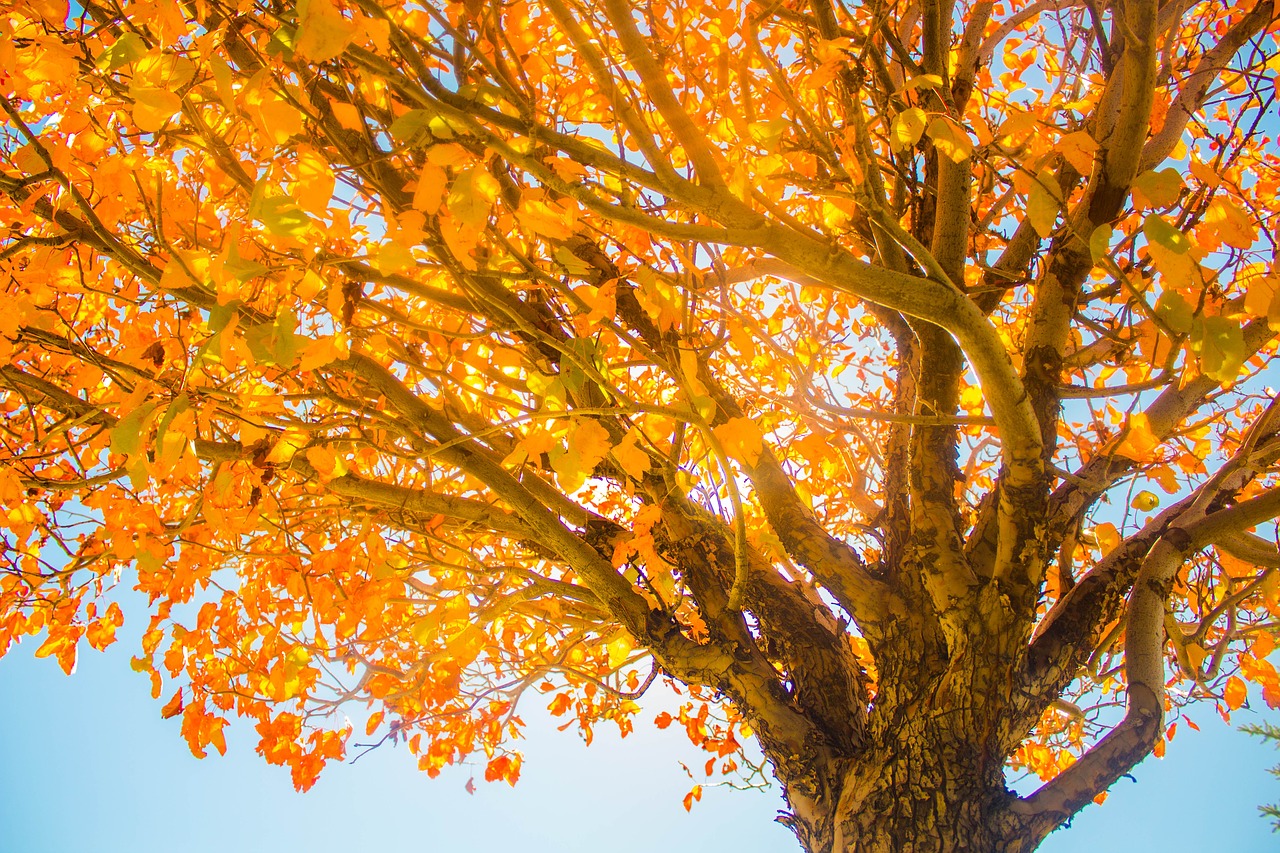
[
  {"x": 928, "y": 775},
  {"x": 928, "y": 792}
]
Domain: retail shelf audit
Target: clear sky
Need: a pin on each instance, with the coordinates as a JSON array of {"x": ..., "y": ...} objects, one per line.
[{"x": 88, "y": 766}]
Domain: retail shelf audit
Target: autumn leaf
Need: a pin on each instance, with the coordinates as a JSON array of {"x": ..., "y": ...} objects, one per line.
[
  {"x": 1138, "y": 443},
  {"x": 1044, "y": 203},
  {"x": 951, "y": 139},
  {"x": 323, "y": 33},
  {"x": 153, "y": 107},
  {"x": 1234, "y": 694},
  {"x": 1231, "y": 223},
  {"x": 127, "y": 436},
  {"x": 1145, "y": 501},
  {"x": 472, "y": 196},
  {"x": 619, "y": 650},
  {"x": 908, "y": 127},
  {"x": 1175, "y": 312},
  {"x": 429, "y": 191},
  {"x": 326, "y": 462},
  {"x": 587, "y": 445},
  {"x": 313, "y": 187},
  {"x": 1079, "y": 149},
  {"x": 741, "y": 439},
  {"x": 1158, "y": 189},
  {"x": 1219, "y": 341},
  {"x": 633, "y": 460},
  {"x": 126, "y": 49},
  {"x": 173, "y": 707}
]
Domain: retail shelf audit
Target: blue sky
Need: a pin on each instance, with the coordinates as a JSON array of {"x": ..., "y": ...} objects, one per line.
[{"x": 88, "y": 766}]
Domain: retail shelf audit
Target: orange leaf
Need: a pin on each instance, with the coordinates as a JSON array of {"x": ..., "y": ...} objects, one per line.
[
  {"x": 741, "y": 439},
  {"x": 1235, "y": 693},
  {"x": 429, "y": 193},
  {"x": 173, "y": 707},
  {"x": 695, "y": 794}
]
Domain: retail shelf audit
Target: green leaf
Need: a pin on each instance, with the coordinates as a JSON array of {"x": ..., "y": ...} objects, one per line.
[
  {"x": 410, "y": 126},
  {"x": 242, "y": 270},
  {"x": 1164, "y": 235},
  {"x": 220, "y": 315},
  {"x": 1220, "y": 343},
  {"x": 282, "y": 42},
  {"x": 923, "y": 81},
  {"x": 471, "y": 197},
  {"x": 572, "y": 264},
  {"x": 1043, "y": 203},
  {"x": 546, "y": 389},
  {"x": 128, "y": 48},
  {"x": 275, "y": 342},
  {"x": 1100, "y": 243},
  {"x": 179, "y": 405},
  {"x": 1175, "y": 312},
  {"x": 126, "y": 437},
  {"x": 767, "y": 134},
  {"x": 283, "y": 217},
  {"x": 1159, "y": 189},
  {"x": 704, "y": 405}
]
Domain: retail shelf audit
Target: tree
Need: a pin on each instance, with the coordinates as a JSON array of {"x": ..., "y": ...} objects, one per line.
[{"x": 891, "y": 377}]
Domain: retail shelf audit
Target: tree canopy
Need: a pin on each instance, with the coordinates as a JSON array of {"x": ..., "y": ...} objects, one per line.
[{"x": 891, "y": 378}]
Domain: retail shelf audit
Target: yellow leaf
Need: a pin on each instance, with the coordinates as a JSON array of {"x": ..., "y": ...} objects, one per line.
[
  {"x": 393, "y": 258},
  {"x": 278, "y": 119},
  {"x": 465, "y": 646},
  {"x": 310, "y": 286},
  {"x": 950, "y": 139},
  {"x": 907, "y": 129},
  {"x": 1139, "y": 442},
  {"x": 449, "y": 155},
  {"x": 1260, "y": 289},
  {"x": 1145, "y": 501},
  {"x": 588, "y": 443},
  {"x": 1167, "y": 479},
  {"x": 472, "y": 197},
  {"x": 319, "y": 352},
  {"x": 1078, "y": 149},
  {"x": 1158, "y": 189},
  {"x": 547, "y": 220},
  {"x": 619, "y": 649},
  {"x": 1107, "y": 537},
  {"x": 1233, "y": 225},
  {"x": 313, "y": 186},
  {"x": 741, "y": 439},
  {"x": 324, "y": 33},
  {"x": 165, "y": 71},
  {"x": 632, "y": 460},
  {"x": 152, "y": 108},
  {"x": 591, "y": 440},
  {"x": 1043, "y": 203},
  {"x": 348, "y": 115},
  {"x": 290, "y": 443}
]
